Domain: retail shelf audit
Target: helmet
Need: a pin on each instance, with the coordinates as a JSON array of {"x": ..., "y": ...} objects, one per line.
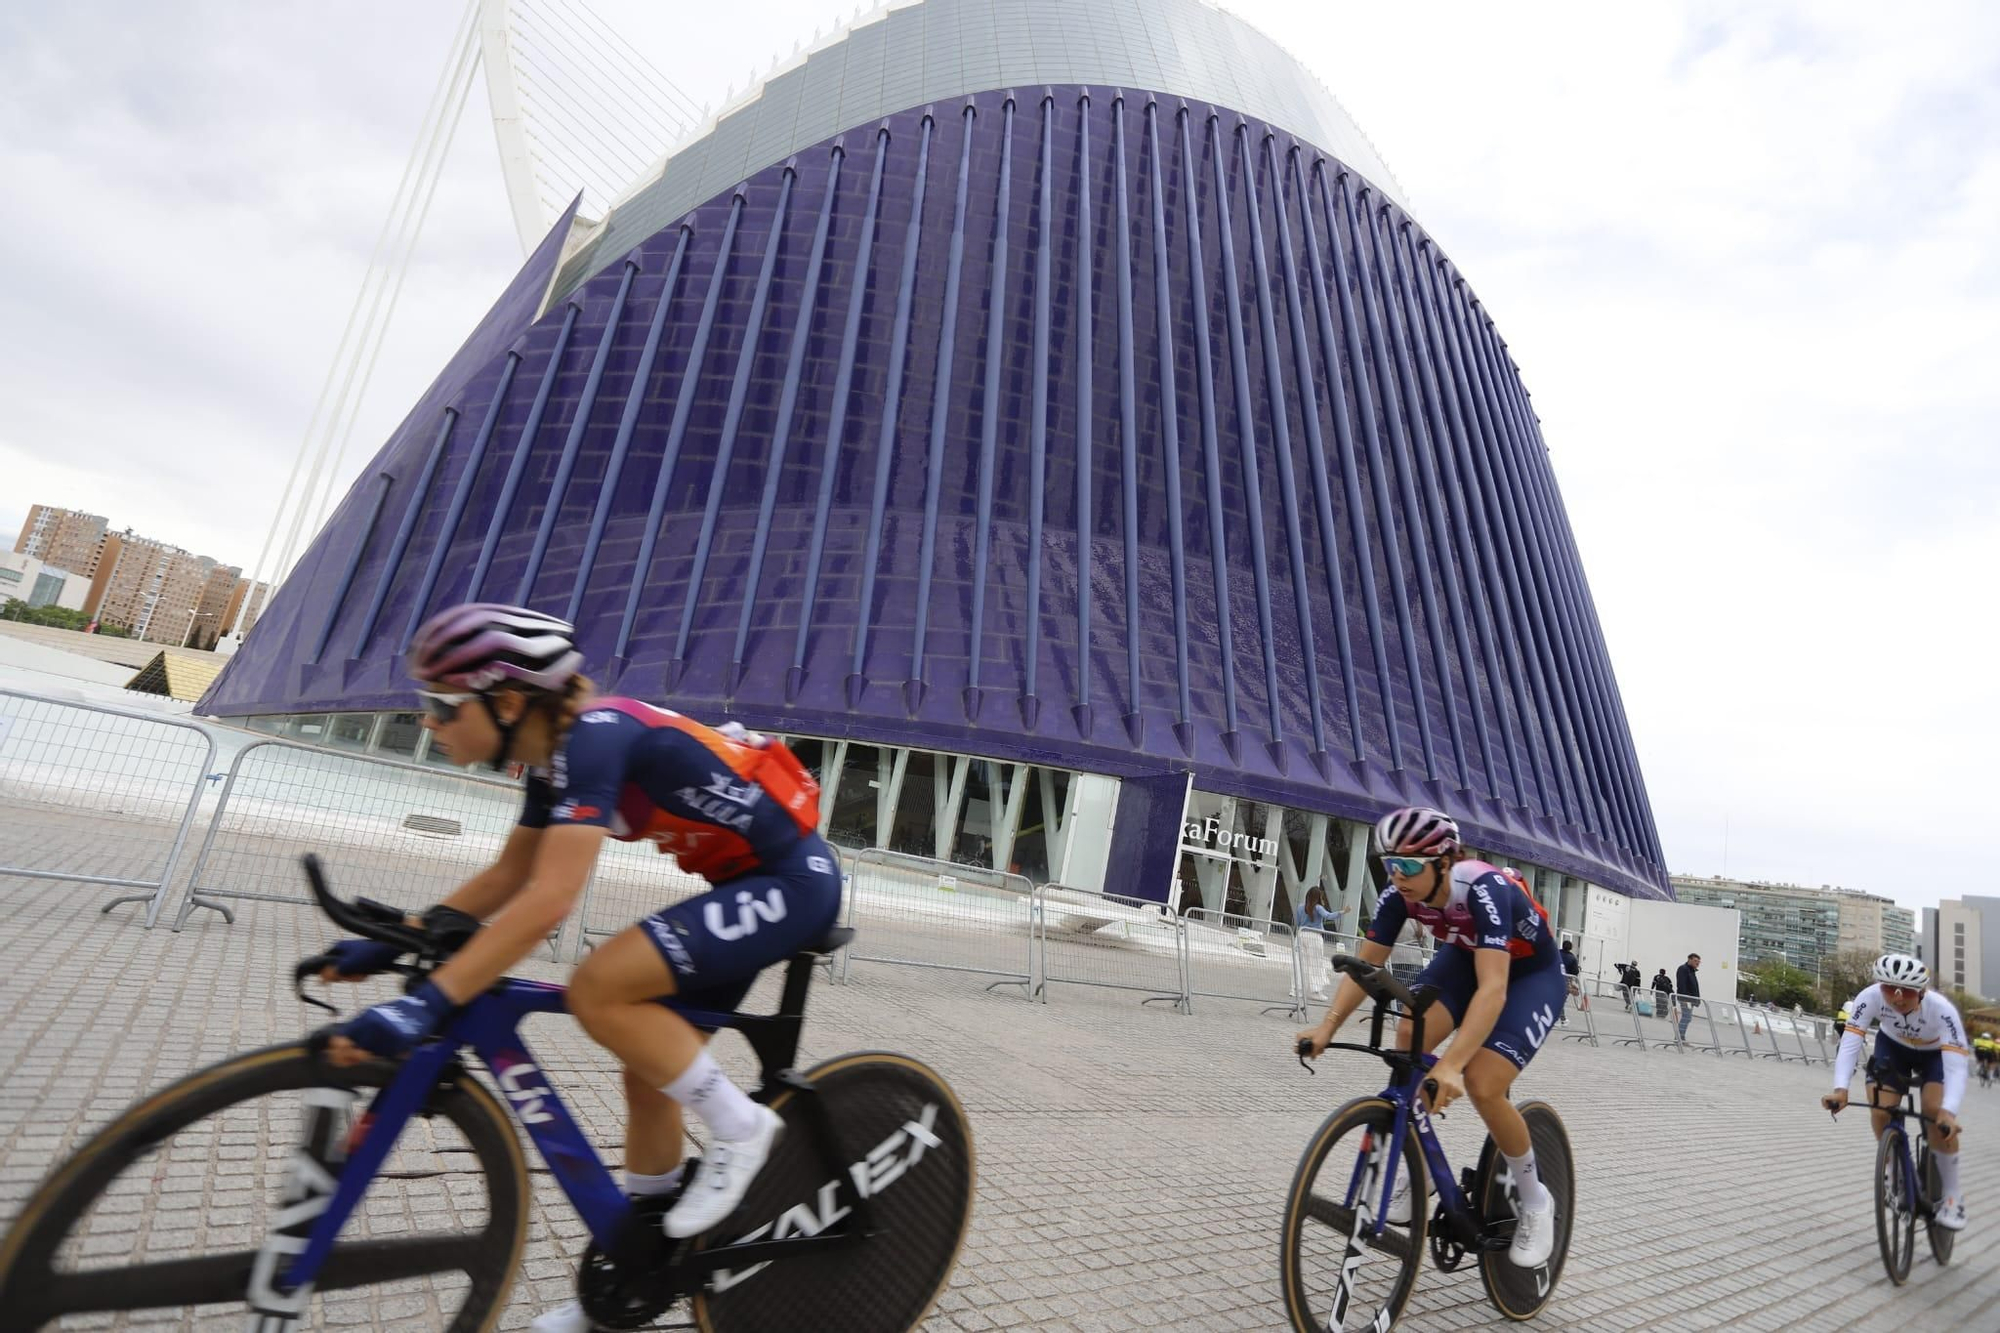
[
  {"x": 1899, "y": 969},
  {"x": 481, "y": 645},
  {"x": 1418, "y": 831}
]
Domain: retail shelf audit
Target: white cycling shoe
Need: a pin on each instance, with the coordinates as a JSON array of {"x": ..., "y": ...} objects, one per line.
[
  {"x": 568, "y": 1318},
  {"x": 723, "y": 1178},
  {"x": 1951, "y": 1215},
  {"x": 1534, "y": 1235},
  {"x": 1399, "y": 1203}
]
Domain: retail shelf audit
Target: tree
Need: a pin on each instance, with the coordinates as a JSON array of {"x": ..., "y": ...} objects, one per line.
[
  {"x": 1844, "y": 975},
  {"x": 55, "y": 616},
  {"x": 1780, "y": 983}
]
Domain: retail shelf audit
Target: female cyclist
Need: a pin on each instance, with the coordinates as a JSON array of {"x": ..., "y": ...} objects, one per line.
[{"x": 503, "y": 684}]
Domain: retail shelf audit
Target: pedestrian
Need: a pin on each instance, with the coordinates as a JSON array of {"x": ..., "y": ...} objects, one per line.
[
  {"x": 1571, "y": 967},
  {"x": 1629, "y": 982},
  {"x": 1689, "y": 986},
  {"x": 1314, "y": 915},
  {"x": 1663, "y": 994}
]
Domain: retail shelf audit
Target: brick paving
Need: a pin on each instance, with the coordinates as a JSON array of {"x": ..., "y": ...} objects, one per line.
[{"x": 1133, "y": 1161}]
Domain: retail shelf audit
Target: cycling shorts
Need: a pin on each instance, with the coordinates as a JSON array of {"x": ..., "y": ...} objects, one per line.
[
  {"x": 716, "y": 943},
  {"x": 1899, "y": 1068},
  {"x": 1534, "y": 999}
]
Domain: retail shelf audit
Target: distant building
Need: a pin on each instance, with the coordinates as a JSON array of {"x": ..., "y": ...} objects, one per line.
[
  {"x": 1959, "y": 936},
  {"x": 40, "y": 584},
  {"x": 1803, "y": 925},
  {"x": 65, "y": 538},
  {"x": 150, "y": 588}
]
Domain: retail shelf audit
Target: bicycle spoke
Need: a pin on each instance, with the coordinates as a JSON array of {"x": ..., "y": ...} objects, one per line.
[
  {"x": 1341, "y": 1219},
  {"x": 371, "y": 1263}
]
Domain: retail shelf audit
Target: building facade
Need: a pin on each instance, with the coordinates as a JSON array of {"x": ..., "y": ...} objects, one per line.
[
  {"x": 1801, "y": 925},
  {"x": 1052, "y": 417},
  {"x": 38, "y": 584},
  {"x": 1959, "y": 936},
  {"x": 68, "y": 539}
]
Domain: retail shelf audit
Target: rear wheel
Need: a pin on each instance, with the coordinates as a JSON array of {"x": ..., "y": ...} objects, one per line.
[
  {"x": 1895, "y": 1211},
  {"x": 1516, "y": 1292},
  {"x": 897, "y": 1126},
  {"x": 1336, "y": 1275},
  {"x": 169, "y": 1206}
]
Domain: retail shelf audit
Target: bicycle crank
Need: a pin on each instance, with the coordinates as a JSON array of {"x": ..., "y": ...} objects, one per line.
[{"x": 638, "y": 1281}]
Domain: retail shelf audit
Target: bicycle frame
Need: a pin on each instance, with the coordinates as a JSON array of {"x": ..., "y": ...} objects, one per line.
[{"x": 490, "y": 1026}]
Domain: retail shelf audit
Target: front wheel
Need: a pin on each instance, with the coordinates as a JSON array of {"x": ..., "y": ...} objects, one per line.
[
  {"x": 1516, "y": 1292},
  {"x": 1336, "y": 1273},
  {"x": 898, "y": 1132},
  {"x": 179, "y": 1205},
  {"x": 1895, "y": 1210}
]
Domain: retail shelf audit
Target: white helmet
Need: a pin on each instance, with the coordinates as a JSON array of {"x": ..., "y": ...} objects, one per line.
[{"x": 1899, "y": 969}]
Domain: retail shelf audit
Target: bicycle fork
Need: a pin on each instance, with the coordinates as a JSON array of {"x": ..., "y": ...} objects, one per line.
[{"x": 311, "y": 1177}]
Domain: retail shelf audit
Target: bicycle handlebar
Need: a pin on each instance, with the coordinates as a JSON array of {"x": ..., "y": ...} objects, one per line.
[{"x": 370, "y": 920}]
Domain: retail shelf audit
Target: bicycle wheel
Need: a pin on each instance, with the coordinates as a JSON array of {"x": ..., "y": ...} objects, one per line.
[
  {"x": 1516, "y": 1292},
  {"x": 1895, "y": 1211},
  {"x": 900, "y": 1128},
  {"x": 168, "y": 1207},
  {"x": 1329, "y": 1283},
  {"x": 1941, "y": 1238}
]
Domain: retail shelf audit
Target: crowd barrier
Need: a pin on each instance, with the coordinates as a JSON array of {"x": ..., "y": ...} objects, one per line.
[
  {"x": 125, "y": 784},
  {"x": 917, "y": 912}
]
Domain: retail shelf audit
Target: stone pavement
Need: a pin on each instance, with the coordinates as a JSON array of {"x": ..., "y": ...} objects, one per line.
[{"x": 1133, "y": 1162}]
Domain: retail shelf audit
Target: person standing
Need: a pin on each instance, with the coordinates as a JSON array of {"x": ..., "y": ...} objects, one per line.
[
  {"x": 1663, "y": 994},
  {"x": 1313, "y": 914},
  {"x": 1571, "y": 967},
  {"x": 1689, "y": 986},
  {"x": 1629, "y": 982}
]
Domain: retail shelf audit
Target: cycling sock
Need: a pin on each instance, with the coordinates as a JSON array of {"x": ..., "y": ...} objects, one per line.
[
  {"x": 642, "y": 1186},
  {"x": 1528, "y": 1181},
  {"x": 1947, "y": 1173},
  {"x": 721, "y": 1105}
]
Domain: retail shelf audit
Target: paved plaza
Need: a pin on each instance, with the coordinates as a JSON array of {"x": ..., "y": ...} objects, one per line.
[{"x": 1133, "y": 1161}]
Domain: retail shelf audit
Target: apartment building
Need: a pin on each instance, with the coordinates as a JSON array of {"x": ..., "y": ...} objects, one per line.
[
  {"x": 67, "y": 539},
  {"x": 1803, "y": 925}
]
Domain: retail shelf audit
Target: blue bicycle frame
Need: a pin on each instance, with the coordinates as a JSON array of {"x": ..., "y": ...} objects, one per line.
[
  {"x": 1404, "y": 1096},
  {"x": 490, "y": 1026}
]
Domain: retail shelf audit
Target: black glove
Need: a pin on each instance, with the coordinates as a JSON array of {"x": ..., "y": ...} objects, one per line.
[{"x": 361, "y": 958}]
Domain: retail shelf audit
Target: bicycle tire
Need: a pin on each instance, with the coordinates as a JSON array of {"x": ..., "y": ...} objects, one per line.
[
  {"x": 880, "y": 1106},
  {"x": 1895, "y": 1212},
  {"x": 1522, "y": 1293},
  {"x": 33, "y": 1291},
  {"x": 1368, "y": 1116},
  {"x": 1942, "y": 1239}
]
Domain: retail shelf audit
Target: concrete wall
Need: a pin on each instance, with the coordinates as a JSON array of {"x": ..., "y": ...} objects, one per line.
[{"x": 1664, "y": 934}]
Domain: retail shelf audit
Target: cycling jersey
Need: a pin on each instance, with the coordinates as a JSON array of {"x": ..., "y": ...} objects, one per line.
[
  {"x": 722, "y": 807},
  {"x": 1484, "y": 909},
  {"x": 1933, "y": 1027}
]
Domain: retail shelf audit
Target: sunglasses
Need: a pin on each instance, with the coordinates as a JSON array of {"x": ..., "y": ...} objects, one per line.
[
  {"x": 1407, "y": 867},
  {"x": 442, "y": 708}
]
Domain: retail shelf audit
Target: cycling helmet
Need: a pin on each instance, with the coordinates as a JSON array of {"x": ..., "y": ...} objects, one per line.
[
  {"x": 482, "y": 645},
  {"x": 1899, "y": 969},
  {"x": 1416, "y": 830}
]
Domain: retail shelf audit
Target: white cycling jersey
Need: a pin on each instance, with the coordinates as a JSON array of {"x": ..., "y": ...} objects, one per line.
[{"x": 1933, "y": 1025}]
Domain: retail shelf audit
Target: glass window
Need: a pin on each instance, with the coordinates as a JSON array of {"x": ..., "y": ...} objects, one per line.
[
  {"x": 350, "y": 730},
  {"x": 308, "y": 727},
  {"x": 400, "y": 734},
  {"x": 852, "y": 821}
]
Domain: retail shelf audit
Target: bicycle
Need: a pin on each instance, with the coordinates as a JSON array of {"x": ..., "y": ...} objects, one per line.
[
  {"x": 1906, "y": 1190},
  {"x": 1475, "y": 1212},
  {"x": 855, "y": 1222}
]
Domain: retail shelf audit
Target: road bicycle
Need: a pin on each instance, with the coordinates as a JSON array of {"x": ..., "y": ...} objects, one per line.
[
  {"x": 1337, "y": 1231},
  {"x": 397, "y": 1194},
  {"x": 1907, "y": 1189}
]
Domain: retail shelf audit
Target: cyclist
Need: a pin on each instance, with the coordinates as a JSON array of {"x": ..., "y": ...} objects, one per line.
[
  {"x": 1922, "y": 1039},
  {"x": 503, "y": 684},
  {"x": 1987, "y": 1052},
  {"x": 1500, "y": 987}
]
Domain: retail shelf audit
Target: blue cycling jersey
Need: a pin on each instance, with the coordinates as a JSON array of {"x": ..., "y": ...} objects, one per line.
[
  {"x": 648, "y": 773},
  {"x": 1484, "y": 909}
]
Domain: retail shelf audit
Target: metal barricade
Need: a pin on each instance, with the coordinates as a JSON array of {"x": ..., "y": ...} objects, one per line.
[
  {"x": 1102, "y": 939},
  {"x": 1726, "y": 1016},
  {"x": 1228, "y": 956},
  {"x": 97, "y": 795},
  {"x": 920, "y": 912},
  {"x": 398, "y": 832},
  {"x": 1312, "y": 969},
  {"x": 1590, "y": 988}
]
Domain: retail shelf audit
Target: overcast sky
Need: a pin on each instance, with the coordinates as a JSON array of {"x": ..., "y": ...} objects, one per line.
[{"x": 1745, "y": 256}]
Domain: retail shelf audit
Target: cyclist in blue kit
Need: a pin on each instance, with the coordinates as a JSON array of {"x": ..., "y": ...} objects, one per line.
[
  {"x": 503, "y": 684},
  {"x": 1499, "y": 985}
]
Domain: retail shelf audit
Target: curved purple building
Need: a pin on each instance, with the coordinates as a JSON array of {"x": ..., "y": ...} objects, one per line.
[{"x": 1039, "y": 407}]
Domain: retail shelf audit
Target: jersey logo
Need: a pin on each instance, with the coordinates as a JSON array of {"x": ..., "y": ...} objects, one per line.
[
  {"x": 601, "y": 715},
  {"x": 748, "y": 912}
]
